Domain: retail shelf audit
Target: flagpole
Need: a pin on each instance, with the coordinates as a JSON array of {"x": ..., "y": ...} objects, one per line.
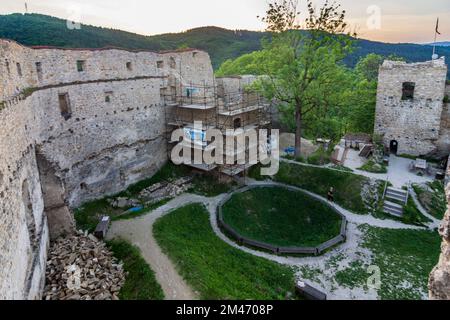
[
  {"x": 434, "y": 43},
  {"x": 436, "y": 31}
]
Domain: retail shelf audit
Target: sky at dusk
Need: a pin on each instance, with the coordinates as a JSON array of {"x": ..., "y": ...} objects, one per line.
[{"x": 383, "y": 20}]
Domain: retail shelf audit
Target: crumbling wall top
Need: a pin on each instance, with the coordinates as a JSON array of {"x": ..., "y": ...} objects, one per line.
[{"x": 438, "y": 63}]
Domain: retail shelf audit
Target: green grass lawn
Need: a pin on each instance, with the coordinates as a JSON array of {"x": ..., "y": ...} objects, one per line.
[
  {"x": 88, "y": 215},
  {"x": 281, "y": 217},
  {"x": 347, "y": 185},
  {"x": 405, "y": 258},
  {"x": 140, "y": 283},
  {"x": 210, "y": 186},
  {"x": 213, "y": 268},
  {"x": 144, "y": 211},
  {"x": 434, "y": 200}
]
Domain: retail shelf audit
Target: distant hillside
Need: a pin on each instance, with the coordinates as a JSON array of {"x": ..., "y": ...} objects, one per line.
[
  {"x": 221, "y": 44},
  {"x": 440, "y": 44}
]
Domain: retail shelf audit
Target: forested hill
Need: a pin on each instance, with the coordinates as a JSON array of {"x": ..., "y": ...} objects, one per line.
[{"x": 221, "y": 44}]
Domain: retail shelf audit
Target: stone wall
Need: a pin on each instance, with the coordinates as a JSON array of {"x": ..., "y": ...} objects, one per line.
[
  {"x": 439, "y": 285},
  {"x": 109, "y": 135},
  {"x": 415, "y": 124}
]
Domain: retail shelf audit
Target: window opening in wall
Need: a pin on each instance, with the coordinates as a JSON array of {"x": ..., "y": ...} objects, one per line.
[
  {"x": 190, "y": 92},
  {"x": 160, "y": 64},
  {"x": 81, "y": 65},
  {"x": 408, "y": 90},
  {"x": 129, "y": 66},
  {"x": 173, "y": 63},
  {"x": 39, "y": 70},
  {"x": 19, "y": 69},
  {"x": 108, "y": 96},
  {"x": 7, "y": 67},
  {"x": 64, "y": 106}
]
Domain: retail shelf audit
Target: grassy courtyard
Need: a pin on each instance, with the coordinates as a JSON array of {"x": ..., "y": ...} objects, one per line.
[
  {"x": 405, "y": 257},
  {"x": 347, "y": 185},
  {"x": 140, "y": 283},
  {"x": 88, "y": 215},
  {"x": 281, "y": 217},
  {"x": 432, "y": 198},
  {"x": 213, "y": 268}
]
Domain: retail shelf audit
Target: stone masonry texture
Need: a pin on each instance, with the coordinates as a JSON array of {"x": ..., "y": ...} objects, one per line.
[
  {"x": 419, "y": 125},
  {"x": 108, "y": 134}
]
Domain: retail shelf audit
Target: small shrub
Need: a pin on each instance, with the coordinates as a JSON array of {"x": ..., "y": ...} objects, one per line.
[{"x": 373, "y": 167}]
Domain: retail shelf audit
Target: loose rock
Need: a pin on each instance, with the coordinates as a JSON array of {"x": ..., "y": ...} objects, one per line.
[{"x": 82, "y": 268}]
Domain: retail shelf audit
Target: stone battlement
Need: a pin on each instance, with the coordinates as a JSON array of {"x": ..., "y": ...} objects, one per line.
[{"x": 438, "y": 64}]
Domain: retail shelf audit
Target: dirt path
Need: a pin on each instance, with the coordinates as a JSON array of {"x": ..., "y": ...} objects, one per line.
[{"x": 139, "y": 232}]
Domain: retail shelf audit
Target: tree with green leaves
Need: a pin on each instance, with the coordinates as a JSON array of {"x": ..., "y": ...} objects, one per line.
[
  {"x": 370, "y": 65},
  {"x": 302, "y": 62},
  {"x": 360, "y": 96}
]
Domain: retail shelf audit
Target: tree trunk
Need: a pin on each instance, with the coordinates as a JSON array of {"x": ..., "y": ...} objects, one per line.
[{"x": 298, "y": 133}]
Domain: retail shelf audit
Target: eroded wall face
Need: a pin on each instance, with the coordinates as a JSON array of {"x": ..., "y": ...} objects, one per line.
[
  {"x": 108, "y": 135},
  {"x": 440, "y": 277},
  {"x": 414, "y": 123},
  {"x": 23, "y": 225}
]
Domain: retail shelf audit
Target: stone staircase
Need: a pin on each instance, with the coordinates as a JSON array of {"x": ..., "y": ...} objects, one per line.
[{"x": 394, "y": 199}]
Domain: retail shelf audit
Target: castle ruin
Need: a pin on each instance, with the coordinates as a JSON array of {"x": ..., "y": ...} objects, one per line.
[
  {"x": 76, "y": 125},
  {"x": 411, "y": 115}
]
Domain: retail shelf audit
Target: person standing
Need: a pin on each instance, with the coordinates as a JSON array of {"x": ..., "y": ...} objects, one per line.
[{"x": 331, "y": 195}]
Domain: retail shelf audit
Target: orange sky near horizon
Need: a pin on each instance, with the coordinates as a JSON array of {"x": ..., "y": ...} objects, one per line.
[{"x": 380, "y": 20}]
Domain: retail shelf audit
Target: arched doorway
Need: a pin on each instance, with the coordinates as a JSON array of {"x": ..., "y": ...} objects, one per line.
[{"x": 393, "y": 147}]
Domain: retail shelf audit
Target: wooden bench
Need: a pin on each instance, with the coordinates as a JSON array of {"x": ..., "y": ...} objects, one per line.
[
  {"x": 309, "y": 292},
  {"x": 102, "y": 228}
]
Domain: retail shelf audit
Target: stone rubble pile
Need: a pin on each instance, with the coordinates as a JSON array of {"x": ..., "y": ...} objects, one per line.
[
  {"x": 369, "y": 194},
  {"x": 81, "y": 267},
  {"x": 156, "y": 192},
  {"x": 122, "y": 202}
]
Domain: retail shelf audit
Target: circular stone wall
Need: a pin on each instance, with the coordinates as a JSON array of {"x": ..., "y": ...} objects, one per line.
[{"x": 281, "y": 219}]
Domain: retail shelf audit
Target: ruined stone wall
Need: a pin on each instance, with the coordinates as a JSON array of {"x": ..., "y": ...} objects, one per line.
[
  {"x": 439, "y": 286},
  {"x": 112, "y": 136},
  {"x": 414, "y": 124}
]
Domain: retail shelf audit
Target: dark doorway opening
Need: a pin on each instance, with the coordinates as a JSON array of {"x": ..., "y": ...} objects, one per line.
[
  {"x": 393, "y": 147},
  {"x": 237, "y": 123}
]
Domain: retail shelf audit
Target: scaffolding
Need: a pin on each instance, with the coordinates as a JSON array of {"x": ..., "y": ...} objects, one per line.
[{"x": 186, "y": 104}]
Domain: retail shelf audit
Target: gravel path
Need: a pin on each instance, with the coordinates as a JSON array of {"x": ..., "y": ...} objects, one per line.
[
  {"x": 139, "y": 232},
  {"x": 435, "y": 223}
]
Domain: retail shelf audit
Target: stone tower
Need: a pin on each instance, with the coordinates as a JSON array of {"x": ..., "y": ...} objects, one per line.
[{"x": 410, "y": 107}]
